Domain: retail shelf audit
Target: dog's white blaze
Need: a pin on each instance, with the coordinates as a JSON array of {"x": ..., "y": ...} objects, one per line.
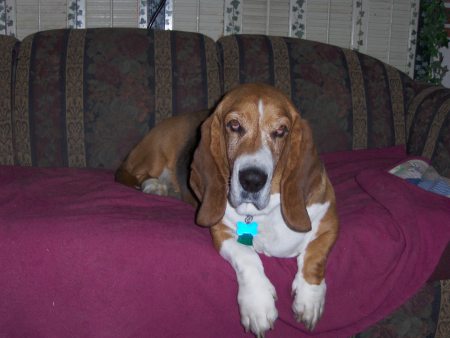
[{"x": 260, "y": 109}]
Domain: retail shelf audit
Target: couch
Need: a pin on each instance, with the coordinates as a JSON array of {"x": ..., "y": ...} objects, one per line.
[{"x": 83, "y": 256}]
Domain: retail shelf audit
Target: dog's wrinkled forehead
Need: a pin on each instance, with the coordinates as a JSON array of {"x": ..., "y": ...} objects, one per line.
[
  {"x": 255, "y": 99},
  {"x": 255, "y": 107}
]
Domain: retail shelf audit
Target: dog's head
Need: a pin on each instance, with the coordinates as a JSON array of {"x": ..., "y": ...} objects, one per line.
[{"x": 253, "y": 145}]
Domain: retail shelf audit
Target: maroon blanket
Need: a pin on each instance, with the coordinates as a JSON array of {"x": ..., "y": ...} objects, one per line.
[{"x": 82, "y": 256}]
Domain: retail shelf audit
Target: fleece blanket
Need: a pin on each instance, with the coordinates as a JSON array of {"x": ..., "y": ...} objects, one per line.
[{"x": 82, "y": 256}]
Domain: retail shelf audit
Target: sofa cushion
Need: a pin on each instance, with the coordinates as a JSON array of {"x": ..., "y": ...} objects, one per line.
[
  {"x": 9, "y": 47},
  {"x": 83, "y": 98},
  {"x": 83, "y": 256},
  {"x": 354, "y": 100}
]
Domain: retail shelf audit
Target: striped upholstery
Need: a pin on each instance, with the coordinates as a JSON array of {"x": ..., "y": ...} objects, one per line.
[
  {"x": 85, "y": 97},
  {"x": 428, "y": 126},
  {"x": 8, "y": 53},
  {"x": 350, "y": 99}
]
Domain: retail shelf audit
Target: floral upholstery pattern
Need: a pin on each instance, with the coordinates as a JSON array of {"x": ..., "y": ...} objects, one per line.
[
  {"x": 350, "y": 98},
  {"x": 353, "y": 99},
  {"x": 108, "y": 87}
]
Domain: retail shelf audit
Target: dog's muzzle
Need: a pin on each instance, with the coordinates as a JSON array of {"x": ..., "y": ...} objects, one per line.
[
  {"x": 251, "y": 188},
  {"x": 251, "y": 178}
]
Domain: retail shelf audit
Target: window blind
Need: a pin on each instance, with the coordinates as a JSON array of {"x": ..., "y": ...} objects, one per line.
[
  {"x": 340, "y": 24},
  {"x": 205, "y": 16},
  {"x": 109, "y": 13},
  {"x": 330, "y": 21},
  {"x": 211, "y": 18},
  {"x": 265, "y": 17},
  {"x": 36, "y": 15},
  {"x": 388, "y": 31},
  {"x": 279, "y": 18}
]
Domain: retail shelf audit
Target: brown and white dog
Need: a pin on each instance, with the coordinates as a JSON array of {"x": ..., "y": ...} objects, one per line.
[{"x": 256, "y": 164}]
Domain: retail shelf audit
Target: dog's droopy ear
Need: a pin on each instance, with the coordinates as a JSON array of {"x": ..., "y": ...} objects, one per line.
[
  {"x": 210, "y": 172},
  {"x": 301, "y": 167}
]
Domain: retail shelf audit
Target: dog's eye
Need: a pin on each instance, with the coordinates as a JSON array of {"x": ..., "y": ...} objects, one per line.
[
  {"x": 280, "y": 131},
  {"x": 235, "y": 126}
]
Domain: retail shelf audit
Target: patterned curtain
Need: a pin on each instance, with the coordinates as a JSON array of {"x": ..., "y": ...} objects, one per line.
[
  {"x": 76, "y": 14},
  {"x": 6, "y": 17},
  {"x": 76, "y": 10}
]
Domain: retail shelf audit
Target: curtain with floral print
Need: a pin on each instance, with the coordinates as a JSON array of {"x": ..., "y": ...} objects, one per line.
[
  {"x": 22, "y": 17},
  {"x": 7, "y": 26}
]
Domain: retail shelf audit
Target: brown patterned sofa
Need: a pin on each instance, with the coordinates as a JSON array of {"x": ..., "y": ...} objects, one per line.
[{"x": 83, "y": 98}]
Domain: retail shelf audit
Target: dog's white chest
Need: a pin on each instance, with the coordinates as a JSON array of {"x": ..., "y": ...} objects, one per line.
[{"x": 274, "y": 237}]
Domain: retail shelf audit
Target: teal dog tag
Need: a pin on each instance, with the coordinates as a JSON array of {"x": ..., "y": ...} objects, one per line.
[{"x": 246, "y": 232}]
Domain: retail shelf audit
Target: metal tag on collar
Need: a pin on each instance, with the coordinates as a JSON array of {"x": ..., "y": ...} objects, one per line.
[{"x": 246, "y": 230}]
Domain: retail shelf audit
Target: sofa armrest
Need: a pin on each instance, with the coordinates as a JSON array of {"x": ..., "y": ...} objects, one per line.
[{"x": 428, "y": 126}]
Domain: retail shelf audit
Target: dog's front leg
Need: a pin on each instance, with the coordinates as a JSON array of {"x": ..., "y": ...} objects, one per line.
[
  {"x": 256, "y": 295},
  {"x": 309, "y": 286},
  {"x": 309, "y": 298}
]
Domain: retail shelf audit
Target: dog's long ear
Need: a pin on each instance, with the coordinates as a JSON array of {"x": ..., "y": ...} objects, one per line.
[
  {"x": 210, "y": 172},
  {"x": 301, "y": 170}
]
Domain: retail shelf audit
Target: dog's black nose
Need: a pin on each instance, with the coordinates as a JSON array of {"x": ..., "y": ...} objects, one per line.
[{"x": 252, "y": 179}]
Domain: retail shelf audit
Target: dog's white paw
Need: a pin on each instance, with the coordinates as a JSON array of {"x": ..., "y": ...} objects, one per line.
[
  {"x": 257, "y": 305},
  {"x": 309, "y": 301},
  {"x": 154, "y": 186}
]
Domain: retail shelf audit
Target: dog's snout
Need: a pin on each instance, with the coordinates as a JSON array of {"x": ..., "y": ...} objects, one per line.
[{"x": 252, "y": 179}]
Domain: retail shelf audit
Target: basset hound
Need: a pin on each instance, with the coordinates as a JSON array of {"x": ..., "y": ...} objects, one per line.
[{"x": 260, "y": 187}]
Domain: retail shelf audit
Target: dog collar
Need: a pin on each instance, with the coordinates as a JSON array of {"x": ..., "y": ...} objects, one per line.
[{"x": 246, "y": 231}]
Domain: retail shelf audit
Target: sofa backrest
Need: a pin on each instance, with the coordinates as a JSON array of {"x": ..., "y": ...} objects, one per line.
[
  {"x": 351, "y": 100},
  {"x": 9, "y": 47},
  {"x": 84, "y": 98}
]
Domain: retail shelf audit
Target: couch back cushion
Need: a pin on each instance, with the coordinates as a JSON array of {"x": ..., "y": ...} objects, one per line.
[
  {"x": 428, "y": 126},
  {"x": 352, "y": 101},
  {"x": 83, "y": 98},
  {"x": 9, "y": 47}
]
